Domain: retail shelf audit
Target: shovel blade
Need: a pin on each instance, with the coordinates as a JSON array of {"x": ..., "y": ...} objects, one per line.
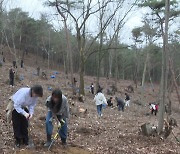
[
  {"x": 50, "y": 145},
  {"x": 31, "y": 144}
]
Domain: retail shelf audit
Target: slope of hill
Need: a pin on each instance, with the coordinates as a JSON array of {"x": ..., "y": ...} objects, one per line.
[
  {"x": 30, "y": 59},
  {"x": 116, "y": 132}
]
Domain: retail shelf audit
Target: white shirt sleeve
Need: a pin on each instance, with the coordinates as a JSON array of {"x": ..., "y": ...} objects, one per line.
[
  {"x": 31, "y": 108},
  {"x": 18, "y": 105},
  {"x": 21, "y": 99},
  {"x": 104, "y": 100}
]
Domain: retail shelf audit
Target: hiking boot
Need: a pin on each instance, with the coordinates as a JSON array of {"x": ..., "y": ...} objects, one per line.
[
  {"x": 64, "y": 143},
  {"x": 17, "y": 143},
  {"x": 31, "y": 144},
  {"x": 65, "y": 146},
  {"x": 48, "y": 142},
  {"x": 25, "y": 141}
]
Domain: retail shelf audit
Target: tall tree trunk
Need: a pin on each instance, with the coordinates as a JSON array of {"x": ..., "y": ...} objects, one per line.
[
  {"x": 116, "y": 61},
  {"x": 48, "y": 59},
  {"x": 110, "y": 64},
  {"x": 174, "y": 79},
  {"x": 99, "y": 61},
  {"x": 164, "y": 70},
  {"x": 70, "y": 57},
  {"x": 65, "y": 62},
  {"x": 143, "y": 79},
  {"x": 136, "y": 66},
  {"x": 145, "y": 68},
  {"x": 123, "y": 71},
  {"x": 116, "y": 69},
  {"x": 100, "y": 46},
  {"x": 81, "y": 92},
  {"x": 82, "y": 62}
]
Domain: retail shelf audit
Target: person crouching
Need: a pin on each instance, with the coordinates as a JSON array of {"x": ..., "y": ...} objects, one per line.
[
  {"x": 57, "y": 108},
  {"x": 154, "y": 108},
  {"x": 110, "y": 102}
]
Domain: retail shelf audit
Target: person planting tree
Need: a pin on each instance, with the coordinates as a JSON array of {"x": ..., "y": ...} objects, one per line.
[
  {"x": 24, "y": 102},
  {"x": 58, "y": 109}
]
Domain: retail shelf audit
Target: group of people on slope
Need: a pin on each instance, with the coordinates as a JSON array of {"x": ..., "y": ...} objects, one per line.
[
  {"x": 21, "y": 110},
  {"x": 100, "y": 100}
]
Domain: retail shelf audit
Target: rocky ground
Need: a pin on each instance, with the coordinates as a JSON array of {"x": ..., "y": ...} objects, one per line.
[{"x": 115, "y": 133}]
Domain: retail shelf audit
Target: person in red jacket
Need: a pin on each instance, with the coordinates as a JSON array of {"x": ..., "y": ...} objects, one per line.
[{"x": 154, "y": 108}]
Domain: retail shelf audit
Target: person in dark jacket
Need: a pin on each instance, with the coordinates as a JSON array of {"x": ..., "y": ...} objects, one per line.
[
  {"x": 58, "y": 109},
  {"x": 38, "y": 71},
  {"x": 92, "y": 88},
  {"x": 11, "y": 77},
  {"x": 22, "y": 63},
  {"x": 120, "y": 104},
  {"x": 127, "y": 99},
  {"x": 14, "y": 64},
  {"x": 109, "y": 102}
]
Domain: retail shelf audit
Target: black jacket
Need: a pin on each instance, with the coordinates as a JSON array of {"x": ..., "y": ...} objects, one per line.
[
  {"x": 11, "y": 74},
  {"x": 120, "y": 102},
  {"x": 127, "y": 98}
]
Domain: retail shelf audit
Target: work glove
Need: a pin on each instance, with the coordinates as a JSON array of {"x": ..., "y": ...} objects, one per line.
[
  {"x": 61, "y": 123},
  {"x": 27, "y": 115}
]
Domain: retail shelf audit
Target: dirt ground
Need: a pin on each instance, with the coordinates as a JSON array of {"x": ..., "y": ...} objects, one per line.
[{"x": 114, "y": 133}]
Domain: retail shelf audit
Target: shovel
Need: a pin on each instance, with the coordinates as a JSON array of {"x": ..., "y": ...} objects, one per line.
[
  {"x": 31, "y": 143},
  {"x": 54, "y": 139},
  {"x": 56, "y": 135}
]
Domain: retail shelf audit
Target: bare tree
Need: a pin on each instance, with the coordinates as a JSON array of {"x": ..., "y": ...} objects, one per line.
[
  {"x": 80, "y": 26},
  {"x": 164, "y": 69},
  {"x": 69, "y": 50}
]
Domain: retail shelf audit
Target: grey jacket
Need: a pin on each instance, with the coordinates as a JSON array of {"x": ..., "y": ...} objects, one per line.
[{"x": 64, "y": 110}]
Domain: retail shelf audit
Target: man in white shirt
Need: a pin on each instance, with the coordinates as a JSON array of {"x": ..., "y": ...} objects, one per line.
[{"x": 24, "y": 101}]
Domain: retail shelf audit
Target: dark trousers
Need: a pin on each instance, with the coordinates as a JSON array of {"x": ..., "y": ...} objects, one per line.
[
  {"x": 121, "y": 107},
  {"x": 49, "y": 127},
  {"x": 11, "y": 82},
  {"x": 20, "y": 127},
  {"x": 153, "y": 111},
  {"x": 92, "y": 90},
  {"x": 110, "y": 104}
]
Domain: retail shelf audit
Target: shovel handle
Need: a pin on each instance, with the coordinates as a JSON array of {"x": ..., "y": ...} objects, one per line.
[
  {"x": 55, "y": 138},
  {"x": 50, "y": 145}
]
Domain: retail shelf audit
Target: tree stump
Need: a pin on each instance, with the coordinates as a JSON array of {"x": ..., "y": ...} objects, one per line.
[{"x": 148, "y": 129}]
